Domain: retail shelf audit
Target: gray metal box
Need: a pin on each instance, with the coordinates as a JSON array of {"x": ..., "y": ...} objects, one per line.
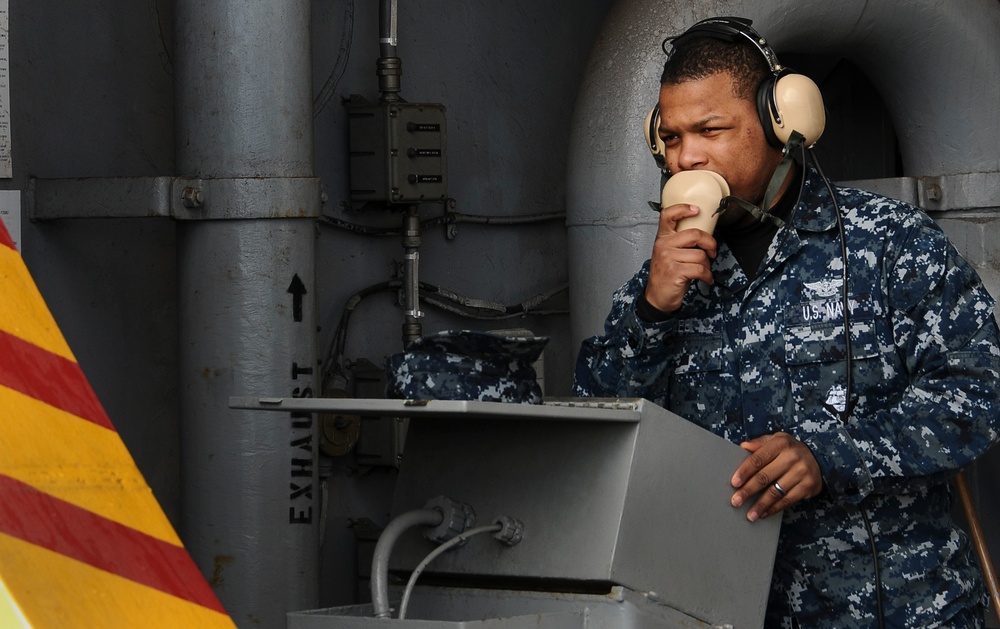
[
  {"x": 613, "y": 492},
  {"x": 630, "y": 494},
  {"x": 397, "y": 152}
]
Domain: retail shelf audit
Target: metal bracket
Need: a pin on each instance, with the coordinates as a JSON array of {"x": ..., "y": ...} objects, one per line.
[
  {"x": 941, "y": 193},
  {"x": 174, "y": 197}
]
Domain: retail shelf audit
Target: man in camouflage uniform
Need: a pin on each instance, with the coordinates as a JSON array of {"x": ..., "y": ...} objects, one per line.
[{"x": 743, "y": 334}]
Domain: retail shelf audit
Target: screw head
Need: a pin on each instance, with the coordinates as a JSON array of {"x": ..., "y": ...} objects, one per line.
[{"x": 192, "y": 198}]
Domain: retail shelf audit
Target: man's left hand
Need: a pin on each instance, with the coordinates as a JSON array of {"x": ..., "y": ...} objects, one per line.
[{"x": 781, "y": 470}]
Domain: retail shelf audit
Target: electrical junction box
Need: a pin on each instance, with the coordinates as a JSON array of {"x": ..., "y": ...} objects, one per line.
[{"x": 397, "y": 151}]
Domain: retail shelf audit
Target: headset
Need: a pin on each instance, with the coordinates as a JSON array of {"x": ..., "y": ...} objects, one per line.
[
  {"x": 791, "y": 112},
  {"x": 786, "y": 101}
]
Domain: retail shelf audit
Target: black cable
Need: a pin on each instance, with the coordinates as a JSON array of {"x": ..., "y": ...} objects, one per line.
[
  {"x": 848, "y": 382},
  {"x": 441, "y": 298},
  {"x": 364, "y": 230},
  {"x": 340, "y": 65},
  {"x": 336, "y": 351},
  {"x": 456, "y": 217},
  {"x": 481, "y": 309},
  {"x": 844, "y": 295},
  {"x": 875, "y": 562},
  {"x": 448, "y": 218}
]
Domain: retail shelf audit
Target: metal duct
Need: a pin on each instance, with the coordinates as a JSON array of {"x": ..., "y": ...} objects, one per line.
[
  {"x": 249, "y": 499},
  {"x": 933, "y": 62}
]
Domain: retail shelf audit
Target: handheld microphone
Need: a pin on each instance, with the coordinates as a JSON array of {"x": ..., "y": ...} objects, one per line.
[{"x": 702, "y": 188}]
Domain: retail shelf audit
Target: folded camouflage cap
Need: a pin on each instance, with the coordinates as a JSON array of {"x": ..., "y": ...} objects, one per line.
[{"x": 467, "y": 365}]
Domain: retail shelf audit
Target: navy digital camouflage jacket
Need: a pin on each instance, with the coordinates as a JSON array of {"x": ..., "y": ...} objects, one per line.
[{"x": 745, "y": 359}]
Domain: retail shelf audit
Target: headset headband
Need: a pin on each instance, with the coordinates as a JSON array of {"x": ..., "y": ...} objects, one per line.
[{"x": 727, "y": 29}]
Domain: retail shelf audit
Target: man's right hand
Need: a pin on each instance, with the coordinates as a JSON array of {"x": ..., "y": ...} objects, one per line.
[{"x": 679, "y": 258}]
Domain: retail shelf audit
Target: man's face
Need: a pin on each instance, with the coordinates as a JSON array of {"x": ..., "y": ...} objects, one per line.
[{"x": 705, "y": 126}]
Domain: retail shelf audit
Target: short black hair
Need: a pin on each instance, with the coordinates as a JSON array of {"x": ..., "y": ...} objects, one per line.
[{"x": 707, "y": 56}]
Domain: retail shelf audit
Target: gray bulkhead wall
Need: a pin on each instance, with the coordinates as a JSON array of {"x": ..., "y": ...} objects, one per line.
[
  {"x": 93, "y": 96},
  {"x": 929, "y": 63},
  {"x": 934, "y": 64},
  {"x": 507, "y": 74}
]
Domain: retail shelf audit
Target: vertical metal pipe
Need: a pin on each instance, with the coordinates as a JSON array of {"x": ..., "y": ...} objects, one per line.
[
  {"x": 387, "y": 27},
  {"x": 249, "y": 503},
  {"x": 412, "y": 329},
  {"x": 388, "y": 67}
]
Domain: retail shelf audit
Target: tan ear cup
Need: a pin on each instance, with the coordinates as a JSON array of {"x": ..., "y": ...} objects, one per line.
[
  {"x": 652, "y": 137},
  {"x": 800, "y": 108}
]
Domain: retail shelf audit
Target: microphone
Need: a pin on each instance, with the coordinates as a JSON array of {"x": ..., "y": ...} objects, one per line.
[{"x": 702, "y": 188}]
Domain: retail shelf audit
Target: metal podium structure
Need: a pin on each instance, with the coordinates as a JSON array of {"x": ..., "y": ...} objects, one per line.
[{"x": 625, "y": 511}]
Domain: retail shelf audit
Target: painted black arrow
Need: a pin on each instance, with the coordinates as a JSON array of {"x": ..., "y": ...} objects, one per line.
[{"x": 297, "y": 289}]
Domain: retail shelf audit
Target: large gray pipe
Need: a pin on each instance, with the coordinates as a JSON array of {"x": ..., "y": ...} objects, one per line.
[
  {"x": 249, "y": 510},
  {"x": 934, "y": 63}
]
